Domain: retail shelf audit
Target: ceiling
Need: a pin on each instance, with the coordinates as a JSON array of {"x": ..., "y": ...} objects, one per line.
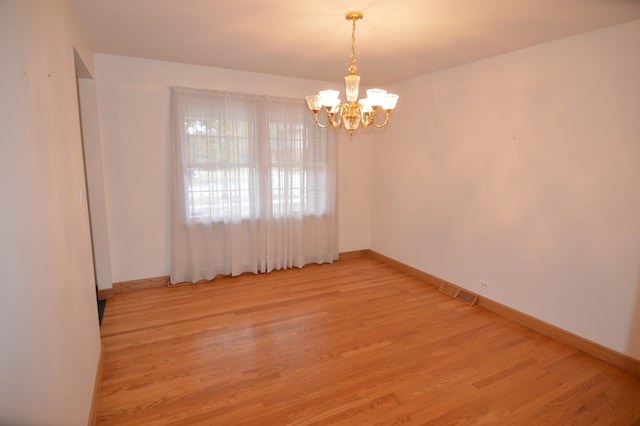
[{"x": 310, "y": 39}]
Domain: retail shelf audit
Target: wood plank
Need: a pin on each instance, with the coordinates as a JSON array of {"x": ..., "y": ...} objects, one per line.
[{"x": 354, "y": 342}]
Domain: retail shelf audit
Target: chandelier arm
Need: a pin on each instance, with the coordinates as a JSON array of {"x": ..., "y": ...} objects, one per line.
[
  {"x": 365, "y": 119},
  {"x": 386, "y": 119},
  {"x": 330, "y": 121},
  {"x": 324, "y": 126},
  {"x": 368, "y": 118},
  {"x": 315, "y": 118},
  {"x": 336, "y": 123}
]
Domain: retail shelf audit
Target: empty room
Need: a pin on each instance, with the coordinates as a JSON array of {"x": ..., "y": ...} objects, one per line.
[{"x": 320, "y": 212}]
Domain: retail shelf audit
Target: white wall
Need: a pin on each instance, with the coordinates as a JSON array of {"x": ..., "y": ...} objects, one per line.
[
  {"x": 523, "y": 170},
  {"x": 133, "y": 104},
  {"x": 355, "y": 189},
  {"x": 95, "y": 181},
  {"x": 49, "y": 335}
]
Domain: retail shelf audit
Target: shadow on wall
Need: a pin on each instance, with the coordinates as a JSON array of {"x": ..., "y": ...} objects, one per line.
[{"x": 633, "y": 346}]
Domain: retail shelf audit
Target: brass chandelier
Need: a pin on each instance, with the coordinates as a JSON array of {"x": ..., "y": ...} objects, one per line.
[{"x": 353, "y": 113}]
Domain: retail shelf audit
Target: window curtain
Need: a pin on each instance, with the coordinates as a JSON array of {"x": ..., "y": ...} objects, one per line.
[{"x": 254, "y": 185}]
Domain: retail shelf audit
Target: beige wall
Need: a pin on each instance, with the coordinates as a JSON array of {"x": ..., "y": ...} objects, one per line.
[
  {"x": 49, "y": 335},
  {"x": 133, "y": 105},
  {"x": 523, "y": 170}
]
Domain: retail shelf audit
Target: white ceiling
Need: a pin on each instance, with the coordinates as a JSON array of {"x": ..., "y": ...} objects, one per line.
[{"x": 396, "y": 40}]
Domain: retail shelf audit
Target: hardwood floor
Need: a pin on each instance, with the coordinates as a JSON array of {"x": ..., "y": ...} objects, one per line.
[{"x": 352, "y": 343}]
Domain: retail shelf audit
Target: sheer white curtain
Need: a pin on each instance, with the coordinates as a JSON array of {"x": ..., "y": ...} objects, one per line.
[{"x": 254, "y": 185}]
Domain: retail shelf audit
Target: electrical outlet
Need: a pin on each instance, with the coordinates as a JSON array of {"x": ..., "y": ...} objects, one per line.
[{"x": 484, "y": 285}]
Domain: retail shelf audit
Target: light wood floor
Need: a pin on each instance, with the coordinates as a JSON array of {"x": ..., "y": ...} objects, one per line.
[{"x": 352, "y": 343}]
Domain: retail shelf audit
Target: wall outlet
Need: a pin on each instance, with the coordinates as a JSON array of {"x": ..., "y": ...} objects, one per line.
[{"x": 484, "y": 285}]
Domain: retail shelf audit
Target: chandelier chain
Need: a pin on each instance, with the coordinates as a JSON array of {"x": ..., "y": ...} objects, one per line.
[{"x": 352, "y": 57}]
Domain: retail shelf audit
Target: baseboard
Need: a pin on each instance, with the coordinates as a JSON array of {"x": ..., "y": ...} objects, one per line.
[
  {"x": 123, "y": 286},
  {"x": 356, "y": 254},
  {"x": 409, "y": 270},
  {"x": 105, "y": 293},
  {"x": 95, "y": 401},
  {"x": 609, "y": 355}
]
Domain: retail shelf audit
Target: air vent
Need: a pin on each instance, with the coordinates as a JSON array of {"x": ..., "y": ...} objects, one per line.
[{"x": 457, "y": 293}]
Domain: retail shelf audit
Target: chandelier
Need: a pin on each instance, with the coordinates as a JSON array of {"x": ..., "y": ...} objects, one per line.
[{"x": 353, "y": 113}]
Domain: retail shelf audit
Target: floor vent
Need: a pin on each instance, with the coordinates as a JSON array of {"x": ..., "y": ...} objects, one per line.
[{"x": 457, "y": 293}]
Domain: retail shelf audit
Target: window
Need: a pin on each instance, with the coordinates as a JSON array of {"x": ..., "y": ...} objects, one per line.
[{"x": 245, "y": 156}]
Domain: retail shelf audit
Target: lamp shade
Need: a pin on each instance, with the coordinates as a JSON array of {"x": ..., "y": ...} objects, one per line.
[
  {"x": 365, "y": 104},
  {"x": 314, "y": 102},
  {"x": 329, "y": 97},
  {"x": 389, "y": 101},
  {"x": 376, "y": 96}
]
